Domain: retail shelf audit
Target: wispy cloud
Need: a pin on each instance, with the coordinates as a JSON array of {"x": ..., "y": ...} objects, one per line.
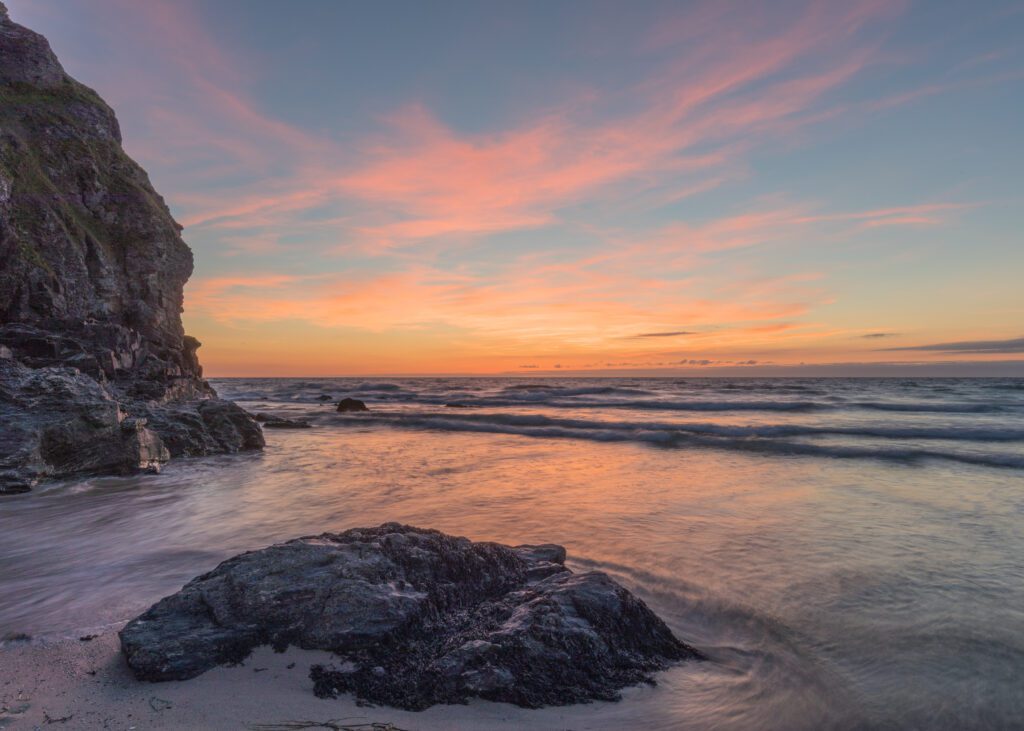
[
  {"x": 669, "y": 334},
  {"x": 418, "y": 178},
  {"x": 1011, "y": 345},
  {"x": 402, "y": 222}
]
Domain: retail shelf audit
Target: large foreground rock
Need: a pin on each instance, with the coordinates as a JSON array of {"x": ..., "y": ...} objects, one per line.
[
  {"x": 416, "y": 617},
  {"x": 92, "y": 267}
]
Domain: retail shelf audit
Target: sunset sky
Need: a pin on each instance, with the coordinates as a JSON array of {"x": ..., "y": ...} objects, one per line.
[{"x": 530, "y": 187}]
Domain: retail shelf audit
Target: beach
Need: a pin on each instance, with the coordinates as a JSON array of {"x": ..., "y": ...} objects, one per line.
[
  {"x": 71, "y": 684},
  {"x": 860, "y": 579},
  {"x": 567, "y": 366}
]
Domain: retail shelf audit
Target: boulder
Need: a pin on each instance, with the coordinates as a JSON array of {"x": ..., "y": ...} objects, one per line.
[
  {"x": 211, "y": 426},
  {"x": 351, "y": 404},
  {"x": 58, "y": 421},
  {"x": 415, "y": 617}
]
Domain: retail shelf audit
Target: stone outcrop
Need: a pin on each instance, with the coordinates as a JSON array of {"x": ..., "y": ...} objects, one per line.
[
  {"x": 351, "y": 405},
  {"x": 96, "y": 373},
  {"x": 416, "y": 617}
]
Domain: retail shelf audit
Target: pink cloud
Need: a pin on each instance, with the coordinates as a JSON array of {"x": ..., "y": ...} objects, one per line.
[{"x": 420, "y": 179}]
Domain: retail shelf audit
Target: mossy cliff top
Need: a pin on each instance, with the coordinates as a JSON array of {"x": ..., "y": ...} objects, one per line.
[{"x": 83, "y": 235}]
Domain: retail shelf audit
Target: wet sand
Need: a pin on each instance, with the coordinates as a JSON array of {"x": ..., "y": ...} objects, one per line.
[{"x": 71, "y": 684}]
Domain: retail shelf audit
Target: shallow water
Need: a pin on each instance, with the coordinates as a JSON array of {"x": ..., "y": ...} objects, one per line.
[{"x": 847, "y": 552}]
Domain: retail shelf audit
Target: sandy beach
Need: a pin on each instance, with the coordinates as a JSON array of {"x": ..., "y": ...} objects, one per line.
[
  {"x": 75, "y": 684},
  {"x": 578, "y": 366}
]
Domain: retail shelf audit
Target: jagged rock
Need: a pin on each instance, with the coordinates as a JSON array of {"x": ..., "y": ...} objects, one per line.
[
  {"x": 230, "y": 425},
  {"x": 351, "y": 404},
  {"x": 206, "y": 427},
  {"x": 58, "y": 421},
  {"x": 416, "y": 617},
  {"x": 92, "y": 267}
]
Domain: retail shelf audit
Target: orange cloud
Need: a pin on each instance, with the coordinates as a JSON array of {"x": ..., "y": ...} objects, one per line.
[{"x": 725, "y": 77}]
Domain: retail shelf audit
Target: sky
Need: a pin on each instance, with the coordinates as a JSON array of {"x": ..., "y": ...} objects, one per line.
[{"x": 821, "y": 188}]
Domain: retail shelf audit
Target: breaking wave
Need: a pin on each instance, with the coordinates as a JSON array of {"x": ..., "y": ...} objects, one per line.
[{"x": 770, "y": 439}]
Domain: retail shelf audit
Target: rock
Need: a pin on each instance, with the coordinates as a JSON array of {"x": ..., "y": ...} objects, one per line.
[
  {"x": 230, "y": 425},
  {"x": 270, "y": 421},
  {"x": 286, "y": 424},
  {"x": 351, "y": 404},
  {"x": 58, "y": 421},
  {"x": 325, "y": 397},
  {"x": 92, "y": 269},
  {"x": 205, "y": 427},
  {"x": 416, "y": 617}
]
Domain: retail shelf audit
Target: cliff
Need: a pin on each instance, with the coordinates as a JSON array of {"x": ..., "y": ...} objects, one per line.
[{"x": 96, "y": 372}]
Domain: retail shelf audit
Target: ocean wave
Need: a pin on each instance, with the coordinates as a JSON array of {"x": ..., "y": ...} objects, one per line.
[
  {"x": 656, "y": 395},
  {"x": 524, "y": 392},
  {"x": 371, "y": 386},
  {"x": 733, "y": 405},
  {"x": 1012, "y": 386},
  {"x": 655, "y": 404},
  {"x": 764, "y": 439},
  {"x": 768, "y": 431},
  {"x": 948, "y": 408}
]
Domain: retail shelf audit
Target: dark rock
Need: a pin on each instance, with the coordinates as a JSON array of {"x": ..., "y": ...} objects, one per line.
[
  {"x": 230, "y": 425},
  {"x": 270, "y": 421},
  {"x": 57, "y": 421},
  {"x": 92, "y": 267},
  {"x": 194, "y": 429},
  {"x": 324, "y": 397},
  {"x": 286, "y": 424},
  {"x": 416, "y": 617},
  {"x": 351, "y": 404}
]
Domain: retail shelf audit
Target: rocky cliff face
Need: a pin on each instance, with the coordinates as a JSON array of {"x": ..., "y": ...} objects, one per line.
[{"x": 96, "y": 372}]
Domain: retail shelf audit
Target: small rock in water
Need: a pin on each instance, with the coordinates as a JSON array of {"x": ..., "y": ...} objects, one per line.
[
  {"x": 270, "y": 421},
  {"x": 416, "y": 617},
  {"x": 351, "y": 404},
  {"x": 325, "y": 397}
]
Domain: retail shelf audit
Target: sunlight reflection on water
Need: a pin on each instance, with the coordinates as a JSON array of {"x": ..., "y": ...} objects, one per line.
[{"x": 828, "y": 593}]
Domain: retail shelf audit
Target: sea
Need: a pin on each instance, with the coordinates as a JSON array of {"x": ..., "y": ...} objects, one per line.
[{"x": 848, "y": 552}]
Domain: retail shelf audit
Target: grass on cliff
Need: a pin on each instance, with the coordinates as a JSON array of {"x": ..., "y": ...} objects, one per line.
[{"x": 44, "y": 134}]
